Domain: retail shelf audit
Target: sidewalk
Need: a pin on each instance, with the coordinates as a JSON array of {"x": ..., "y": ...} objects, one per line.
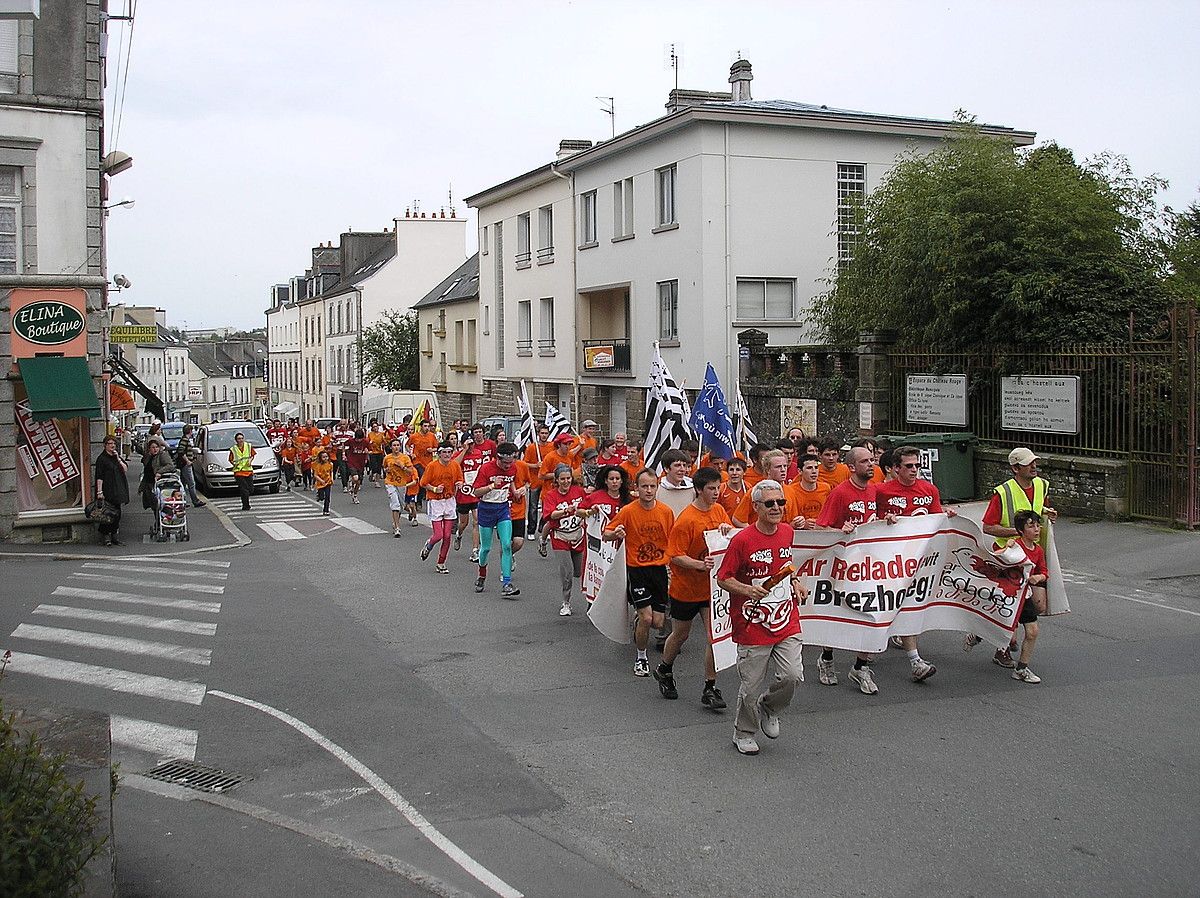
[{"x": 210, "y": 529}]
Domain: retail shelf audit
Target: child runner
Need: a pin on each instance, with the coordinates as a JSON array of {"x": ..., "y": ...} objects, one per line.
[
  {"x": 645, "y": 525},
  {"x": 287, "y": 462},
  {"x": 495, "y": 488},
  {"x": 398, "y": 472},
  {"x": 441, "y": 477},
  {"x": 1029, "y": 524},
  {"x": 733, "y": 491},
  {"x": 322, "y": 472},
  {"x": 563, "y": 527},
  {"x": 354, "y": 457}
]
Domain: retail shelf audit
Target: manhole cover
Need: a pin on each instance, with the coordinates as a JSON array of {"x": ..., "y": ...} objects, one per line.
[{"x": 191, "y": 775}]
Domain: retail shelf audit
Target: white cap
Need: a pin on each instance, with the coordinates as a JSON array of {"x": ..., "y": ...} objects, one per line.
[{"x": 1021, "y": 456}]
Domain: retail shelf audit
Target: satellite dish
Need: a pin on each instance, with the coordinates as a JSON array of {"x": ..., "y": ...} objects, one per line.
[{"x": 122, "y": 282}]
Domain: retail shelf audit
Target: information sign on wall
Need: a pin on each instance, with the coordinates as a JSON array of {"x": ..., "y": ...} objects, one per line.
[
  {"x": 800, "y": 413},
  {"x": 936, "y": 399},
  {"x": 1040, "y": 403}
]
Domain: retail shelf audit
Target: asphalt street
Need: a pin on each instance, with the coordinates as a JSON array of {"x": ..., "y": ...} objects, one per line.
[{"x": 357, "y": 693}]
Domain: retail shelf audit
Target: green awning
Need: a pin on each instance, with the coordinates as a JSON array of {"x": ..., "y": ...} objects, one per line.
[{"x": 59, "y": 388}]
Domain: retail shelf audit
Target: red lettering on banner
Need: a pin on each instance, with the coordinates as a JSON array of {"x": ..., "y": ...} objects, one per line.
[{"x": 49, "y": 449}]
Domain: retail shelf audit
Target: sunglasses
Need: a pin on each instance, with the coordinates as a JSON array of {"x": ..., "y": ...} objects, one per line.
[
  {"x": 773, "y": 503},
  {"x": 910, "y": 465}
]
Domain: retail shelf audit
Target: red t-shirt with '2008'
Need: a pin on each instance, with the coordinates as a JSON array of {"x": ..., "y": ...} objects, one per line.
[{"x": 751, "y": 558}]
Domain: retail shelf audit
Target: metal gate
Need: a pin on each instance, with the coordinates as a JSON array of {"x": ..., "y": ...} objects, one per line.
[{"x": 1164, "y": 394}]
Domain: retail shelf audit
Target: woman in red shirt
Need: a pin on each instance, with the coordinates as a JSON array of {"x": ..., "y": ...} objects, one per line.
[{"x": 560, "y": 518}]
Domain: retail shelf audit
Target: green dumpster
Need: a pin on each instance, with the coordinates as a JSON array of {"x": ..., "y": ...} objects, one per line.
[{"x": 948, "y": 459}]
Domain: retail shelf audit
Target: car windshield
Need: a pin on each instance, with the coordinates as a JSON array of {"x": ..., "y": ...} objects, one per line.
[
  {"x": 221, "y": 440},
  {"x": 172, "y": 431}
]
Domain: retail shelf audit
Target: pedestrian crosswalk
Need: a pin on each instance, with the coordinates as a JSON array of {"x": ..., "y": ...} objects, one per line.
[
  {"x": 143, "y": 645},
  {"x": 290, "y": 516}
]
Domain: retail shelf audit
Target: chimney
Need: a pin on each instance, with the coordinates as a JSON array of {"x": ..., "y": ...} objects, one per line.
[
  {"x": 571, "y": 147},
  {"x": 681, "y": 98},
  {"x": 740, "y": 77}
]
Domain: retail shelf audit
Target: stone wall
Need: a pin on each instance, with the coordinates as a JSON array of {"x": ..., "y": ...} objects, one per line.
[{"x": 1079, "y": 487}]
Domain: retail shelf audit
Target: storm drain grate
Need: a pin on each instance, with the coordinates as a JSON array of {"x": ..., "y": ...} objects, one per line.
[{"x": 191, "y": 775}]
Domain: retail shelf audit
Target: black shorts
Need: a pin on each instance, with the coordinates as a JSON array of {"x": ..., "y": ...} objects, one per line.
[
  {"x": 647, "y": 586},
  {"x": 518, "y": 527},
  {"x": 686, "y": 610},
  {"x": 1029, "y": 612},
  {"x": 465, "y": 509},
  {"x": 376, "y": 464}
]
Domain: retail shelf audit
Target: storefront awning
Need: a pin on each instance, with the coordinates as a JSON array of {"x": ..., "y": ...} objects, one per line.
[{"x": 59, "y": 388}]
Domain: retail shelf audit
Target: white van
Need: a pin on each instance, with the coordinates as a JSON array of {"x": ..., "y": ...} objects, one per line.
[{"x": 392, "y": 408}]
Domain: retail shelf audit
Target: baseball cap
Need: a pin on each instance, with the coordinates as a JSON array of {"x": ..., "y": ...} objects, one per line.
[
  {"x": 1021, "y": 456},
  {"x": 590, "y": 423},
  {"x": 589, "y": 452},
  {"x": 564, "y": 438}
]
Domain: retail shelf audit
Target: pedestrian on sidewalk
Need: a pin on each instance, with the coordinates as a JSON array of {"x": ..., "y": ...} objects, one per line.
[
  {"x": 241, "y": 458},
  {"x": 185, "y": 454},
  {"x": 157, "y": 461},
  {"x": 112, "y": 488}
]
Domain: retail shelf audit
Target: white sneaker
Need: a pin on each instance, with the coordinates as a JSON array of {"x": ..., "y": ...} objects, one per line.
[
  {"x": 865, "y": 680},
  {"x": 641, "y": 667},
  {"x": 826, "y": 672},
  {"x": 922, "y": 670},
  {"x": 396, "y": 532},
  {"x": 768, "y": 721},
  {"x": 565, "y": 610},
  {"x": 474, "y": 558},
  {"x": 746, "y": 745},
  {"x": 1025, "y": 675},
  {"x": 442, "y": 569}
]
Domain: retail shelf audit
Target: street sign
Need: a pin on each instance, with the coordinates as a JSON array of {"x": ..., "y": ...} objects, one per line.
[{"x": 132, "y": 333}]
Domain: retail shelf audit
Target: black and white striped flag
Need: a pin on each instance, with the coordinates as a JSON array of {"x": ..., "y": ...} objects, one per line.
[
  {"x": 667, "y": 414},
  {"x": 556, "y": 422},
  {"x": 743, "y": 432},
  {"x": 528, "y": 432}
]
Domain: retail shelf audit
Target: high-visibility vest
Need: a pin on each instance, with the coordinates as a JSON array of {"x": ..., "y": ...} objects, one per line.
[
  {"x": 243, "y": 459},
  {"x": 1014, "y": 499}
]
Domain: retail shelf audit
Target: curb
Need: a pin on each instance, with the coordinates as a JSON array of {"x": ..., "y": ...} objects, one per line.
[{"x": 241, "y": 540}]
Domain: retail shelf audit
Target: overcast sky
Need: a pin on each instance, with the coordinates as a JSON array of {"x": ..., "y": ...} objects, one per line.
[{"x": 261, "y": 129}]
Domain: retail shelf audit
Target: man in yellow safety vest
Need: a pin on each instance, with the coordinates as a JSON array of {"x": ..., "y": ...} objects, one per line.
[{"x": 241, "y": 458}]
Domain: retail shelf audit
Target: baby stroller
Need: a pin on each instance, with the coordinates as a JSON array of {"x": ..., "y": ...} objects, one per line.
[{"x": 172, "y": 508}]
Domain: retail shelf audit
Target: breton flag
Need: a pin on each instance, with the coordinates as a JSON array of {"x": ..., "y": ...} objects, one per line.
[
  {"x": 743, "y": 432},
  {"x": 667, "y": 414},
  {"x": 528, "y": 432},
  {"x": 556, "y": 422},
  {"x": 710, "y": 418}
]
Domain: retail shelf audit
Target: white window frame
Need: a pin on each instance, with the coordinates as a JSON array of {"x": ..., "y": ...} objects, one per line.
[
  {"x": 546, "y": 326},
  {"x": 11, "y": 199},
  {"x": 483, "y": 241},
  {"x": 623, "y": 209},
  {"x": 525, "y": 327},
  {"x": 665, "y": 193},
  {"x": 668, "y": 310},
  {"x": 587, "y": 219},
  {"x": 545, "y": 253},
  {"x": 851, "y": 189},
  {"x": 523, "y": 238},
  {"x": 760, "y": 312}
]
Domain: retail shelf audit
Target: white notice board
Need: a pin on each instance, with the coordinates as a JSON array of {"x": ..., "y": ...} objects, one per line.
[
  {"x": 1040, "y": 403},
  {"x": 936, "y": 399}
]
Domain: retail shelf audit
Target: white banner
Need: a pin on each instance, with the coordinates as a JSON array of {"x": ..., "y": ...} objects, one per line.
[
  {"x": 720, "y": 629},
  {"x": 599, "y": 557},
  {"x": 922, "y": 573},
  {"x": 611, "y": 612}
]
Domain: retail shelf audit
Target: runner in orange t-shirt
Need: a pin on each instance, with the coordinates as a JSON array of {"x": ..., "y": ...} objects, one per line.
[
  {"x": 832, "y": 470},
  {"x": 776, "y": 464},
  {"x": 808, "y": 492},
  {"x": 734, "y": 490}
]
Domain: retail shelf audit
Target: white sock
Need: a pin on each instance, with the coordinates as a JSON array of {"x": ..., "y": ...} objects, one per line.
[
  {"x": 641, "y": 655},
  {"x": 913, "y": 656}
]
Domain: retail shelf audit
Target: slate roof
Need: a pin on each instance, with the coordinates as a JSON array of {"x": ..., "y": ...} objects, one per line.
[{"x": 460, "y": 285}]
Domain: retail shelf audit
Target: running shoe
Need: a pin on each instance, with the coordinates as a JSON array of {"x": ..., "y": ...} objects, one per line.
[
  {"x": 479, "y": 584},
  {"x": 826, "y": 672},
  {"x": 543, "y": 548},
  {"x": 474, "y": 558},
  {"x": 508, "y": 591},
  {"x": 425, "y": 550},
  {"x": 442, "y": 569},
  {"x": 970, "y": 641},
  {"x": 712, "y": 699},
  {"x": 412, "y": 522},
  {"x": 457, "y": 541},
  {"x": 641, "y": 667},
  {"x": 768, "y": 722},
  {"x": 565, "y": 610},
  {"x": 1025, "y": 675},
  {"x": 746, "y": 745},
  {"x": 1004, "y": 658},
  {"x": 865, "y": 680},
  {"x": 922, "y": 670},
  {"x": 666, "y": 682},
  {"x": 354, "y": 499}
]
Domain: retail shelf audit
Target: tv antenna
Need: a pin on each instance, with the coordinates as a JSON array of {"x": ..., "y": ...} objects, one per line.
[
  {"x": 675, "y": 65},
  {"x": 609, "y": 107}
]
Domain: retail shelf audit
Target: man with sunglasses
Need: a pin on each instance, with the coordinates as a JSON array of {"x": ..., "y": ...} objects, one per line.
[
  {"x": 906, "y": 495},
  {"x": 764, "y": 596}
]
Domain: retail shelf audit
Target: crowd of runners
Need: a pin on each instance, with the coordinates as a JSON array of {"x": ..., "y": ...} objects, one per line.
[{"x": 480, "y": 487}]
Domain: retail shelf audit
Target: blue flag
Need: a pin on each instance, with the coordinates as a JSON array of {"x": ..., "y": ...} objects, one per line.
[{"x": 711, "y": 420}]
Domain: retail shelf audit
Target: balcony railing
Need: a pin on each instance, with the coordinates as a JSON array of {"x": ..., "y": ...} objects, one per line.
[
  {"x": 613, "y": 356},
  {"x": 523, "y": 259},
  {"x": 524, "y": 347},
  {"x": 546, "y": 347},
  {"x": 545, "y": 255}
]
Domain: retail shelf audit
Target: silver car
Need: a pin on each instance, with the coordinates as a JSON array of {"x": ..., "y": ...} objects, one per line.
[{"x": 211, "y": 465}]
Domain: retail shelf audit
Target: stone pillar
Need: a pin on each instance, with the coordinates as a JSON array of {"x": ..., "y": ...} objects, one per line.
[
  {"x": 748, "y": 342},
  {"x": 875, "y": 382}
]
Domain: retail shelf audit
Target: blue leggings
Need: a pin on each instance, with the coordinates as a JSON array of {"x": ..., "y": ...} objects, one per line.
[{"x": 504, "y": 529}]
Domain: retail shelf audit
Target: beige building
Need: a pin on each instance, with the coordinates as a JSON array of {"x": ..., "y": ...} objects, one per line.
[{"x": 448, "y": 325}]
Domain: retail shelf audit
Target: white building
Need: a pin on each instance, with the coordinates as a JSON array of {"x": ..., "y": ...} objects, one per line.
[
  {"x": 527, "y": 289},
  {"x": 448, "y": 324},
  {"x": 283, "y": 349}
]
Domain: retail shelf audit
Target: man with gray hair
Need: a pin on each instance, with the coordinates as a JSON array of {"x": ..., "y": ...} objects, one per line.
[{"x": 764, "y": 595}]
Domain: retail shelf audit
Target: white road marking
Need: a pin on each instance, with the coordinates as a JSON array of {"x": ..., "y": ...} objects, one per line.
[
  {"x": 1160, "y": 605},
  {"x": 354, "y": 525},
  {"x": 159, "y": 739},
  {"x": 88, "y": 640},
  {"x": 138, "y": 569},
  {"x": 210, "y": 588},
  {"x": 111, "y": 678},
  {"x": 79, "y": 592},
  {"x": 394, "y": 798},
  {"x": 194, "y": 627},
  {"x": 328, "y": 798},
  {"x": 280, "y": 530},
  {"x": 185, "y": 561}
]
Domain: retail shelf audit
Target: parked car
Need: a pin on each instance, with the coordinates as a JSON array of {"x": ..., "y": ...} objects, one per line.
[
  {"x": 172, "y": 431},
  {"x": 140, "y": 431},
  {"x": 211, "y": 466}
]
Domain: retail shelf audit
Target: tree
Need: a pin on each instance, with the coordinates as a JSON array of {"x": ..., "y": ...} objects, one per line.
[
  {"x": 1183, "y": 252},
  {"x": 980, "y": 244},
  {"x": 389, "y": 352}
]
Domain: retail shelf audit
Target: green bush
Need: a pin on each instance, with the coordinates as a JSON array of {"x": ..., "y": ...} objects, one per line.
[{"x": 47, "y": 825}]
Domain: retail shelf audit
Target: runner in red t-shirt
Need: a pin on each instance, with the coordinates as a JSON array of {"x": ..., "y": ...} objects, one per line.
[
  {"x": 355, "y": 457},
  {"x": 563, "y": 527},
  {"x": 852, "y": 502},
  {"x": 475, "y": 453},
  {"x": 764, "y": 592}
]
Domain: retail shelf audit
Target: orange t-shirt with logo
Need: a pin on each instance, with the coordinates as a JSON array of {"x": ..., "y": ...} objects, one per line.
[
  {"x": 322, "y": 474},
  {"x": 396, "y": 469},
  {"x": 687, "y": 538},
  {"x": 808, "y": 504},
  {"x": 377, "y": 441},
  {"x": 422, "y": 445},
  {"x": 731, "y": 499},
  {"x": 647, "y": 531},
  {"x": 443, "y": 475},
  {"x": 839, "y": 474}
]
